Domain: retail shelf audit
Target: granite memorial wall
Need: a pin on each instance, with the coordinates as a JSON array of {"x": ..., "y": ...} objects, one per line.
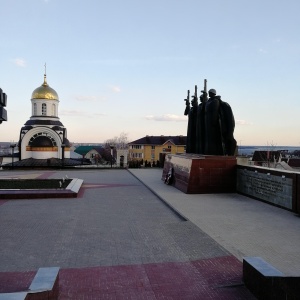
[{"x": 277, "y": 187}]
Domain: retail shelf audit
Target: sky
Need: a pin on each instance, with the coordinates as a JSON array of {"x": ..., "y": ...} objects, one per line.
[{"x": 125, "y": 66}]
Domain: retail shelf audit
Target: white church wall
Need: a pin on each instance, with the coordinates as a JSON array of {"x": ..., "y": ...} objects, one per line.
[
  {"x": 42, "y": 154},
  {"x": 49, "y": 105}
]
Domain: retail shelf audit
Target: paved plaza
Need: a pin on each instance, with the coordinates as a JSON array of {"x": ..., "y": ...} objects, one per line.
[
  {"x": 243, "y": 226},
  {"x": 130, "y": 236}
]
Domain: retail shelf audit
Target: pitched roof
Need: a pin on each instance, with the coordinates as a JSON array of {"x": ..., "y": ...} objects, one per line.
[
  {"x": 160, "y": 140},
  {"x": 265, "y": 155},
  {"x": 83, "y": 150},
  {"x": 294, "y": 162}
]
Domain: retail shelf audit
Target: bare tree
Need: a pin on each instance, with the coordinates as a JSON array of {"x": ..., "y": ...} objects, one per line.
[{"x": 118, "y": 142}]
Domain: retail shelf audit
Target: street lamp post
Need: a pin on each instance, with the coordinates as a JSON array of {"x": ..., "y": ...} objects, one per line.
[
  {"x": 63, "y": 155},
  {"x": 12, "y": 146}
]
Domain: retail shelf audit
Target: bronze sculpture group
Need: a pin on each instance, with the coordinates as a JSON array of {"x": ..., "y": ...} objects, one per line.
[{"x": 210, "y": 124}]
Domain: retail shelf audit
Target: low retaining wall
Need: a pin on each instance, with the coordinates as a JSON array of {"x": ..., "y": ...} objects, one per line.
[{"x": 71, "y": 191}]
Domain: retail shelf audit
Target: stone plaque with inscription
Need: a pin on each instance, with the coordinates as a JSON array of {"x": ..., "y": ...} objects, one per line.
[{"x": 275, "y": 189}]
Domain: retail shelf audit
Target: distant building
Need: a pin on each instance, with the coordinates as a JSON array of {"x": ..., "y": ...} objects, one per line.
[
  {"x": 152, "y": 148},
  {"x": 100, "y": 155},
  {"x": 93, "y": 153},
  {"x": 294, "y": 162},
  {"x": 278, "y": 159},
  {"x": 264, "y": 158}
]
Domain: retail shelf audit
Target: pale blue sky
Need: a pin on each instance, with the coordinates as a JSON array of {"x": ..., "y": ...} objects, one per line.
[{"x": 125, "y": 66}]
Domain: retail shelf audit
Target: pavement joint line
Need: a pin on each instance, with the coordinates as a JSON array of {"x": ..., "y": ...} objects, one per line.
[{"x": 180, "y": 215}]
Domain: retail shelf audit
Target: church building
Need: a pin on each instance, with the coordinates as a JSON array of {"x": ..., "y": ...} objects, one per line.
[{"x": 43, "y": 136}]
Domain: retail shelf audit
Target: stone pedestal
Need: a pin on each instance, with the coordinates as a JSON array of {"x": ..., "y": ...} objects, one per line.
[{"x": 202, "y": 174}]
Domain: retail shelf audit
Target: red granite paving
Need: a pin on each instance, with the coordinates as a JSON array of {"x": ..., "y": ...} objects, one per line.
[
  {"x": 45, "y": 175},
  {"x": 225, "y": 270},
  {"x": 15, "y": 281},
  {"x": 86, "y": 186},
  {"x": 2, "y": 202},
  {"x": 215, "y": 278}
]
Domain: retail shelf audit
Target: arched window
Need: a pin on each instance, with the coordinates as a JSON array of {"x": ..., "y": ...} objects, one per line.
[
  {"x": 53, "y": 109},
  {"x": 44, "y": 109},
  {"x": 34, "y": 109}
]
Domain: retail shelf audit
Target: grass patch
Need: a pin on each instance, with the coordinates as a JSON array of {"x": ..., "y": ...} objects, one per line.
[{"x": 7, "y": 184}]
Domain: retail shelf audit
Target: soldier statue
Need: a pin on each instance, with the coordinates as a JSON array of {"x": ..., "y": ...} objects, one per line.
[{"x": 210, "y": 125}]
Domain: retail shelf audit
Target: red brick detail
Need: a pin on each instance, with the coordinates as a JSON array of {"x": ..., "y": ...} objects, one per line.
[
  {"x": 45, "y": 175},
  {"x": 15, "y": 281},
  {"x": 216, "y": 278},
  {"x": 86, "y": 186},
  {"x": 2, "y": 202}
]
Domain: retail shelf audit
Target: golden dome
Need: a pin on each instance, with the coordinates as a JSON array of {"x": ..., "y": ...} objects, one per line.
[{"x": 44, "y": 92}]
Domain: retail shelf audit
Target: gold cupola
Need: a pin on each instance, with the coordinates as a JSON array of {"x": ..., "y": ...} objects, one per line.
[{"x": 44, "y": 92}]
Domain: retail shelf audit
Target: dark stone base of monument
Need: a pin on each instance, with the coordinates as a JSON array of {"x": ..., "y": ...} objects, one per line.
[
  {"x": 201, "y": 174},
  {"x": 267, "y": 283}
]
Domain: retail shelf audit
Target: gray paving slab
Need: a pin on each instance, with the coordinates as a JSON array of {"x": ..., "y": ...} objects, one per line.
[
  {"x": 115, "y": 221},
  {"x": 13, "y": 296},
  {"x": 244, "y": 226},
  {"x": 44, "y": 279}
]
